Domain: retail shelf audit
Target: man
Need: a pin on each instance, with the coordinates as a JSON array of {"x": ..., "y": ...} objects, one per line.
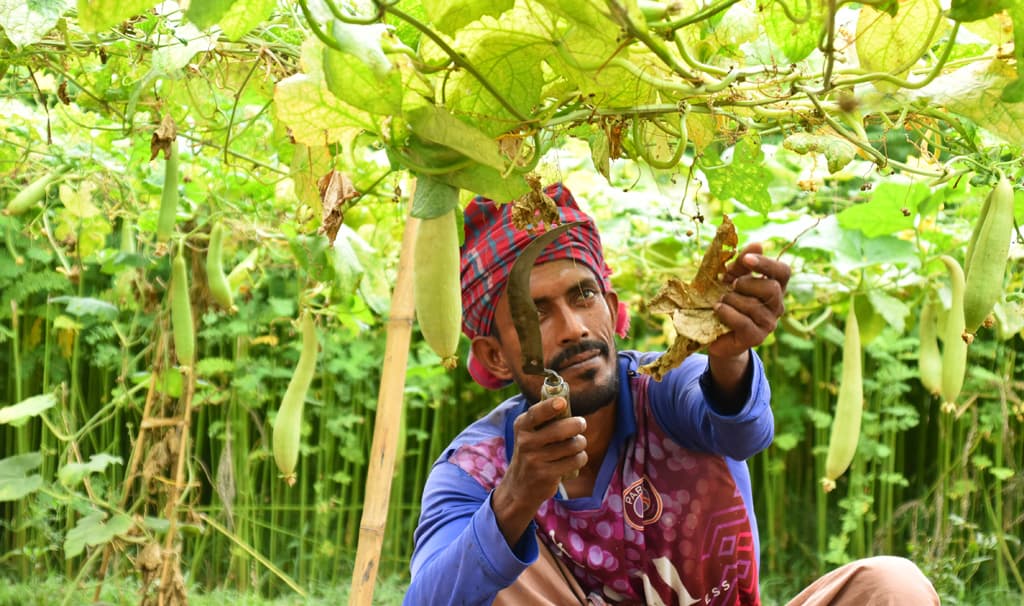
[{"x": 661, "y": 509}]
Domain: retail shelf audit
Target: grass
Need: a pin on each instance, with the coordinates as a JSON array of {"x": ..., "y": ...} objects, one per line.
[{"x": 52, "y": 591}]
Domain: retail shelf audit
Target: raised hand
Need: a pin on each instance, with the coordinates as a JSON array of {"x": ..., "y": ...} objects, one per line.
[{"x": 547, "y": 447}]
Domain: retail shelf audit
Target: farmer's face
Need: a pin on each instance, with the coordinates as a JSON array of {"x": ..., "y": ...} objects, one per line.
[{"x": 577, "y": 326}]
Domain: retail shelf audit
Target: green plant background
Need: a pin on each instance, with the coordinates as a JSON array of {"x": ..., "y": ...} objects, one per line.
[{"x": 84, "y": 333}]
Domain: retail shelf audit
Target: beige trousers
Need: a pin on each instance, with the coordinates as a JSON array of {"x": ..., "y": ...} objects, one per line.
[{"x": 877, "y": 581}]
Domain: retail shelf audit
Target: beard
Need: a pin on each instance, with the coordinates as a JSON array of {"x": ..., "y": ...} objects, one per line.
[{"x": 588, "y": 392}]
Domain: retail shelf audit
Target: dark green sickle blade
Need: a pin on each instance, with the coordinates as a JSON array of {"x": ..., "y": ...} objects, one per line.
[{"x": 524, "y": 312}]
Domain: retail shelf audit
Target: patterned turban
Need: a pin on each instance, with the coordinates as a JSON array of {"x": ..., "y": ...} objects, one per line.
[{"x": 493, "y": 244}]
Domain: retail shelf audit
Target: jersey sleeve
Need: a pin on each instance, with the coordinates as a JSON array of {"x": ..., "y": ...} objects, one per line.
[
  {"x": 682, "y": 407},
  {"x": 460, "y": 555}
]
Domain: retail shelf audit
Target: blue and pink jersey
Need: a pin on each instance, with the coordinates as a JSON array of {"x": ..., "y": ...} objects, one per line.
[{"x": 670, "y": 520}]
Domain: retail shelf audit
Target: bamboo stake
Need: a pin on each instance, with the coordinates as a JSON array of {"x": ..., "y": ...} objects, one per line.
[{"x": 381, "y": 467}]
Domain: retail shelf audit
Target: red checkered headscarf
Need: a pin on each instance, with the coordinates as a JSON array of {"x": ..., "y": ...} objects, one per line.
[{"x": 493, "y": 244}]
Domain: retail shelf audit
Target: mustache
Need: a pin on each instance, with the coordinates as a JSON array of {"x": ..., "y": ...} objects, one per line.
[{"x": 559, "y": 360}]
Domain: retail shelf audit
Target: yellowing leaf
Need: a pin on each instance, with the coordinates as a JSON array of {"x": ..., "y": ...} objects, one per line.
[
  {"x": 894, "y": 44},
  {"x": 974, "y": 92},
  {"x": 690, "y": 305},
  {"x": 508, "y": 54},
  {"x": 245, "y": 15},
  {"x": 450, "y": 16},
  {"x": 315, "y": 116},
  {"x": 96, "y": 15},
  {"x": 78, "y": 200}
]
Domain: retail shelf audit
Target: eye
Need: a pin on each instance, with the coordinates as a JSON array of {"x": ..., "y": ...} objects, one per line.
[{"x": 587, "y": 293}]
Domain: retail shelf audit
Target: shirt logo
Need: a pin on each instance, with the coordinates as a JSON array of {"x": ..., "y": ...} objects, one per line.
[{"x": 641, "y": 504}]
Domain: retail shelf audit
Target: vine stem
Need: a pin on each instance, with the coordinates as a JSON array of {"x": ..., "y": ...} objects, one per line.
[{"x": 456, "y": 58}]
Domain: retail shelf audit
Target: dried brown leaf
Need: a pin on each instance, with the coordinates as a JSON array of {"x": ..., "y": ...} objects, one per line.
[
  {"x": 336, "y": 189},
  {"x": 690, "y": 305},
  {"x": 162, "y": 138}
]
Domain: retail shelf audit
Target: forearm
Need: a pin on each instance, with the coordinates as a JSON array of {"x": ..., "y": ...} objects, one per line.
[
  {"x": 466, "y": 560},
  {"x": 730, "y": 383},
  {"x": 512, "y": 513}
]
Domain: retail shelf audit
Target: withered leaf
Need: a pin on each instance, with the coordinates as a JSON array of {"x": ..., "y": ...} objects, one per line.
[
  {"x": 690, "y": 305},
  {"x": 534, "y": 208},
  {"x": 336, "y": 189},
  {"x": 162, "y": 138}
]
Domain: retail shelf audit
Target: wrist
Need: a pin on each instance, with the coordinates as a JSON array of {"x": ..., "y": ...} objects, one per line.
[
  {"x": 727, "y": 382},
  {"x": 511, "y": 514}
]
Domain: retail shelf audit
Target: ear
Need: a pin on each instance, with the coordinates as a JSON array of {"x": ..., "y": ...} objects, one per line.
[
  {"x": 612, "y": 298},
  {"x": 487, "y": 350}
]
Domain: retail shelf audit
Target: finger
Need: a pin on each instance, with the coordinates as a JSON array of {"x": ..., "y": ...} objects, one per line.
[
  {"x": 564, "y": 449},
  {"x": 771, "y": 269},
  {"x": 542, "y": 412},
  {"x": 749, "y": 325},
  {"x": 740, "y": 266},
  {"x": 750, "y": 292},
  {"x": 737, "y": 308}
]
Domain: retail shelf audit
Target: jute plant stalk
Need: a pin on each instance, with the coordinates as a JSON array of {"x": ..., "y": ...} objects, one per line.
[{"x": 386, "y": 432}]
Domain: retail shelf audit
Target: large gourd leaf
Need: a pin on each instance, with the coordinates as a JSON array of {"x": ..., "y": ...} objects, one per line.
[
  {"x": 508, "y": 54},
  {"x": 96, "y": 15},
  {"x": 18, "y": 414},
  {"x": 15, "y": 482},
  {"x": 93, "y": 530},
  {"x": 746, "y": 178},
  {"x": 974, "y": 92},
  {"x": 893, "y": 44},
  {"x": 438, "y": 125},
  {"x": 244, "y": 15},
  {"x": 27, "y": 22},
  {"x": 451, "y": 16},
  {"x": 312, "y": 113},
  {"x": 891, "y": 209},
  {"x": 585, "y": 40},
  {"x": 796, "y": 39}
]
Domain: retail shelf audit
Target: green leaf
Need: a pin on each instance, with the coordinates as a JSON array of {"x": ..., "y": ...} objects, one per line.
[
  {"x": 796, "y": 40},
  {"x": 92, "y": 530},
  {"x": 185, "y": 42},
  {"x": 14, "y": 483},
  {"x": 851, "y": 250},
  {"x": 87, "y": 306},
  {"x": 974, "y": 92},
  {"x": 894, "y": 43},
  {"x": 450, "y": 16},
  {"x": 975, "y": 10},
  {"x": 884, "y": 213},
  {"x": 215, "y": 366},
  {"x": 433, "y": 198},
  {"x": 508, "y": 54},
  {"x": 244, "y": 15},
  {"x": 438, "y": 125},
  {"x": 362, "y": 42},
  {"x": 26, "y": 23},
  {"x": 206, "y": 13},
  {"x": 18, "y": 414},
  {"x": 487, "y": 182},
  {"x": 892, "y": 309},
  {"x": 838, "y": 151},
  {"x": 96, "y": 15},
  {"x": 72, "y": 473},
  {"x": 355, "y": 83},
  {"x": 1001, "y": 473},
  {"x": 746, "y": 178},
  {"x": 314, "y": 115}
]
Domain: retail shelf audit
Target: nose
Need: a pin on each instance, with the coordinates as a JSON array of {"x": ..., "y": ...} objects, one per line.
[{"x": 567, "y": 326}]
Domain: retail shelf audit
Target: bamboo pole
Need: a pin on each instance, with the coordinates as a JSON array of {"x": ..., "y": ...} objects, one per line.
[{"x": 384, "y": 448}]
